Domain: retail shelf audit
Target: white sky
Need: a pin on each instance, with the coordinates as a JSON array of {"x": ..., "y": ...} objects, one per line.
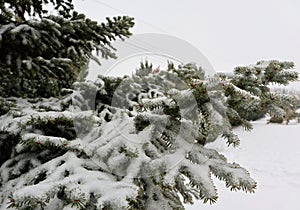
[{"x": 228, "y": 33}]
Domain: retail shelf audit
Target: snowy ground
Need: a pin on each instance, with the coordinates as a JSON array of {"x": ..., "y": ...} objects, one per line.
[{"x": 271, "y": 153}]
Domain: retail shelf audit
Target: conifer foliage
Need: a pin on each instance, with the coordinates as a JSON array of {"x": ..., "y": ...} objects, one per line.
[
  {"x": 135, "y": 142},
  {"x": 132, "y": 142},
  {"x": 40, "y": 53},
  {"x": 143, "y": 147},
  {"x": 249, "y": 94}
]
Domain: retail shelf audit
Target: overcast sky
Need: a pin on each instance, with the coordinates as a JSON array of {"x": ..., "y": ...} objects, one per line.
[{"x": 228, "y": 33}]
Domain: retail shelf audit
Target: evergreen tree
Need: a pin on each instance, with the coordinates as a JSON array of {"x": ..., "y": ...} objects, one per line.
[
  {"x": 142, "y": 148},
  {"x": 249, "y": 94},
  {"x": 40, "y": 53},
  {"x": 135, "y": 142}
]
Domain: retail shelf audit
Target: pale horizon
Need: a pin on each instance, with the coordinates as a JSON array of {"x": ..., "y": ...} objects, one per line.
[{"x": 229, "y": 34}]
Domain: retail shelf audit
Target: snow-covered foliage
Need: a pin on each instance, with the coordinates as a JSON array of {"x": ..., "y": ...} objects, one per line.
[
  {"x": 271, "y": 154},
  {"x": 292, "y": 90},
  {"x": 120, "y": 143},
  {"x": 249, "y": 94},
  {"x": 137, "y": 142},
  {"x": 42, "y": 55}
]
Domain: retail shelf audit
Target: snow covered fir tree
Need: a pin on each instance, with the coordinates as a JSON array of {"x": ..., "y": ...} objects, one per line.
[
  {"x": 44, "y": 53},
  {"x": 250, "y": 97},
  {"x": 142, "y": 147},
  {"x": 132, "y": 142}
]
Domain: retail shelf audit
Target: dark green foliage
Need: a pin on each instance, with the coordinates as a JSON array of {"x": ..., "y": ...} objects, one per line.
[
  {"x": 41, "y": 177},
  {"x": 7, "y": 143},
  {"x": 187, "y": 72},
  {"x": 28, "y": 203},
  {"x": 140, "y": 123},
  {"x": 5, "y": 106},
  {"x": 173, "y": 111},
  {"x": 144, "y": 70},
  {"x": 257, "y": 100},
  {"x": 200, "y": 93},
  {"x": 16, "y": 10},
  {"x": 236, "y": 120},
  {"x": 58, "y": 127},
  {"x": 34, "y": 146},
  {"x": 111, "y": 84},
  {"x": 25, "y": 168},
  {"x": 139, "y": 202},
  {"x": 39, "y": 57},
  {"x": 278, "y": 72}
]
